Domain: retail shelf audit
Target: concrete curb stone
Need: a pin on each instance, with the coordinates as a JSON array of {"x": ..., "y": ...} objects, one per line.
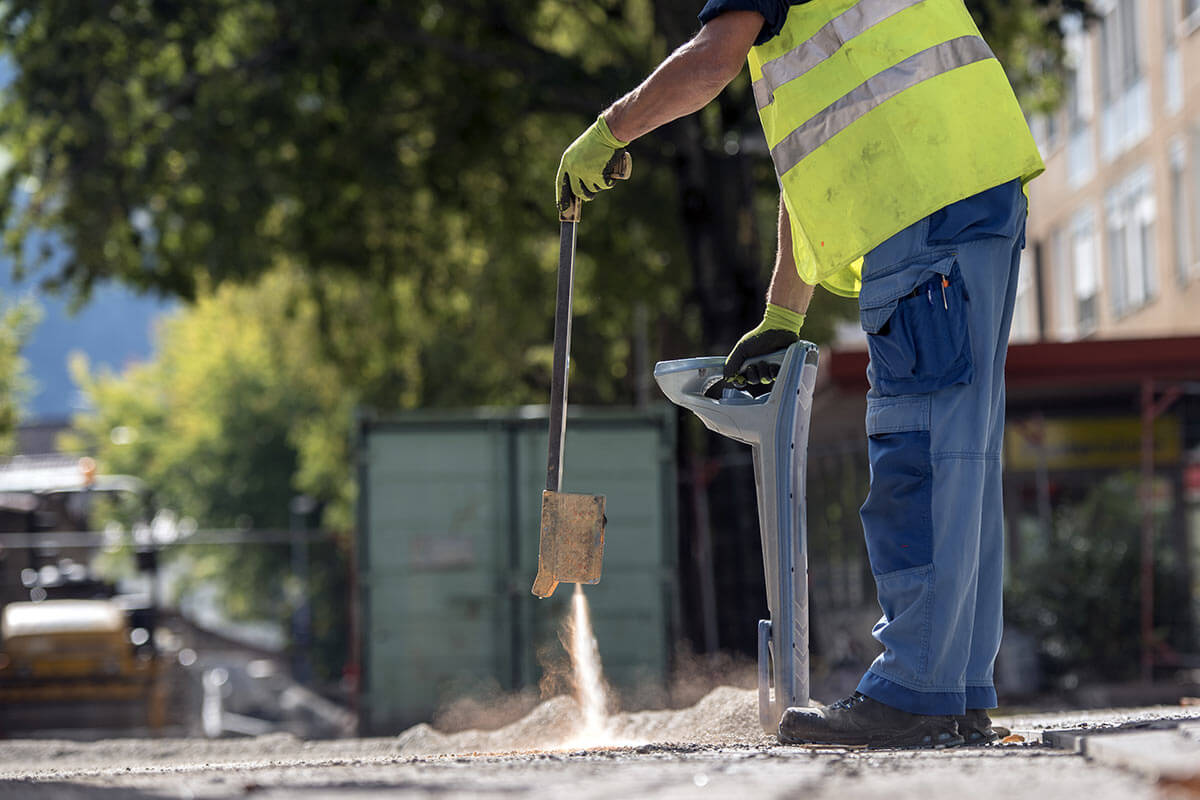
[{"x": 1164, "y": 750}]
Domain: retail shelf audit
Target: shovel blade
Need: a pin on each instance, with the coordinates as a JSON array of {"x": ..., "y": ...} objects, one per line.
[{"x": 572, "y": 544}]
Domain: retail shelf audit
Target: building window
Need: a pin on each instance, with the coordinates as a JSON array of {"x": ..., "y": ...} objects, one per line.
[
  {"x": 1180, "y": 218},
  {"x": 1052, "y": 131},
  {"x": 1046, "y": 130},
  {"x": 1085, "y": 271},
  {"x": 1124, "y": 93},
  {"x": 1193, "y": 209},
  {"x": 1062, "y": 287},
  {"x": 1172, "y": 59},
  {"x": 1024, "y": 324},
  {"x": 1130, "y": 211},
  {"x": 1191, "y": 12},
  {"x": 1079, "y": 106}
]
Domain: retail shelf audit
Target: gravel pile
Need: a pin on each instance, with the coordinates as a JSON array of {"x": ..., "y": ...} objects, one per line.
[{"x": 725, "y": 716}]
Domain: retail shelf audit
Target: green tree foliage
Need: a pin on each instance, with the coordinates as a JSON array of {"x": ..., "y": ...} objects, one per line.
[
  {"x": 17, "y": 321},
  {"x": 405, "y": 146},
  {"x": 1075, "y": 590},
  {"x": 232, "y": 393},
  {"x": 178, "y": 145},
  {"x": 237, "y": 413}
]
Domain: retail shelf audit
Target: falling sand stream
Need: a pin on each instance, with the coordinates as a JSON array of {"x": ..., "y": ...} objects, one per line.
[{"x": 586, "y": 672}]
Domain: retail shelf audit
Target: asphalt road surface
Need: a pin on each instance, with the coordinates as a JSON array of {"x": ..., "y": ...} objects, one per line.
[{"x": 711, "y": 750}]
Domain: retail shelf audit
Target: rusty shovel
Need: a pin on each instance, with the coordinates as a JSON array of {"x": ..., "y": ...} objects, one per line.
[{"x": 572, "y": 543}]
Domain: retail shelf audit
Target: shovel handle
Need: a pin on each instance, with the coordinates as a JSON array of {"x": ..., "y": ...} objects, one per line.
[{"x": 619, "y": 168}]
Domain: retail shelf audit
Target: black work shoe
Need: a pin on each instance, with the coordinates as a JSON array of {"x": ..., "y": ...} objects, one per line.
[
  {"x": 975, "y": 727},
  {"x": 860, "y": 721}
]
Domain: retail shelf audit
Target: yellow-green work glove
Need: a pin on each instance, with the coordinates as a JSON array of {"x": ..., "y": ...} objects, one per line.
[
  {"x": 587, "y": 165},
  {"x": 779, "y": 328}
]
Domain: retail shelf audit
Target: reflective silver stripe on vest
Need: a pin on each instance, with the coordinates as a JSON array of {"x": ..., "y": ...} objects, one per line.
[
  {"x": 853, "y": 22},
  {"x": 874, "y": 92}
]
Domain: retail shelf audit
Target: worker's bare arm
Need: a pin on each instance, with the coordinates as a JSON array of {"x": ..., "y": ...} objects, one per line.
[
  {"x": 787, "y": 289},
  {"x": 690, "y": 78}
]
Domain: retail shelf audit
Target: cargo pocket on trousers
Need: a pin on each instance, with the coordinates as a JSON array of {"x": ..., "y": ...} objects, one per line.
[
  {"x": 915, "y": 317},
  {"x": 897, "y": 515}
]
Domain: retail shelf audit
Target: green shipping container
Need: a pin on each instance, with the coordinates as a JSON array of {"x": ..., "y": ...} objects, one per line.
[{"x": 449, "y": 517}]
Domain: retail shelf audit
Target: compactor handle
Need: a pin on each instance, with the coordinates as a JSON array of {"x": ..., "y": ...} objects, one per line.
[{"x": 619, "y": 168}]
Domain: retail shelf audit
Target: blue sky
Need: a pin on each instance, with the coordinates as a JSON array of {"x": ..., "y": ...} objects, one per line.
[{"x": 114, "y": 329}]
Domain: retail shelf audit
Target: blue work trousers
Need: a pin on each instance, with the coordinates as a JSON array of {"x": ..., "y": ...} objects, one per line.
[{"x": 937, "y": 315}]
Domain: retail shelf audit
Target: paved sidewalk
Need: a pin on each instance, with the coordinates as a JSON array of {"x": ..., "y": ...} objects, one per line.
[{"x": 1160, "y": 744}]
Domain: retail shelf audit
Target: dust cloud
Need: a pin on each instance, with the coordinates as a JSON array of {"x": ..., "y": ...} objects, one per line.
[{"x": 726, "y": 715}]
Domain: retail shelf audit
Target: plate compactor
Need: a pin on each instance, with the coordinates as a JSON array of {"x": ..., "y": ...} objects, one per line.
[{"x": 775, "y": 425}]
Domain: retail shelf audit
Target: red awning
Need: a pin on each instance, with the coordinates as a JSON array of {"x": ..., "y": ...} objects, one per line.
[{"x": 1103, "y": 362}]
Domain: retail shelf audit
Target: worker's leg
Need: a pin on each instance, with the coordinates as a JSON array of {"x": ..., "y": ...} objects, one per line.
[
  {"x": 935, "y": 316},
  {"x": 989, "y": 614}
]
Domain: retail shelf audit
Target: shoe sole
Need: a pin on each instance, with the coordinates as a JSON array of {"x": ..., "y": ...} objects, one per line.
[
  {"x": 885, "y": 745},
  {"x": 978, "y": 738}
]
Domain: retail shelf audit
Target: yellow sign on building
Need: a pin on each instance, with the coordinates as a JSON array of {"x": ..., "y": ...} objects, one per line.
[{"x": 1088, "y": 443}]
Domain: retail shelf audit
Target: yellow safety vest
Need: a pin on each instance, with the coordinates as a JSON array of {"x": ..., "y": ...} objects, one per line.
[{"x": 877, "y": 114}]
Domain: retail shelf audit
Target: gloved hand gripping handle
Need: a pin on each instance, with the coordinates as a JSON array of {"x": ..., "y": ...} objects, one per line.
[{"x": 620, "y": 168}]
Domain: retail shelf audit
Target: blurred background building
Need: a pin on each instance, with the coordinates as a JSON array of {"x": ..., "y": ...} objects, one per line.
[
  {"x": 1114, "y": 253},
  {"x": 1114, "y": 231}
]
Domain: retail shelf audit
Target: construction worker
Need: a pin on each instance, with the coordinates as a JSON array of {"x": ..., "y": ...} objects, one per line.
[{"x": 902, "y": 156}]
